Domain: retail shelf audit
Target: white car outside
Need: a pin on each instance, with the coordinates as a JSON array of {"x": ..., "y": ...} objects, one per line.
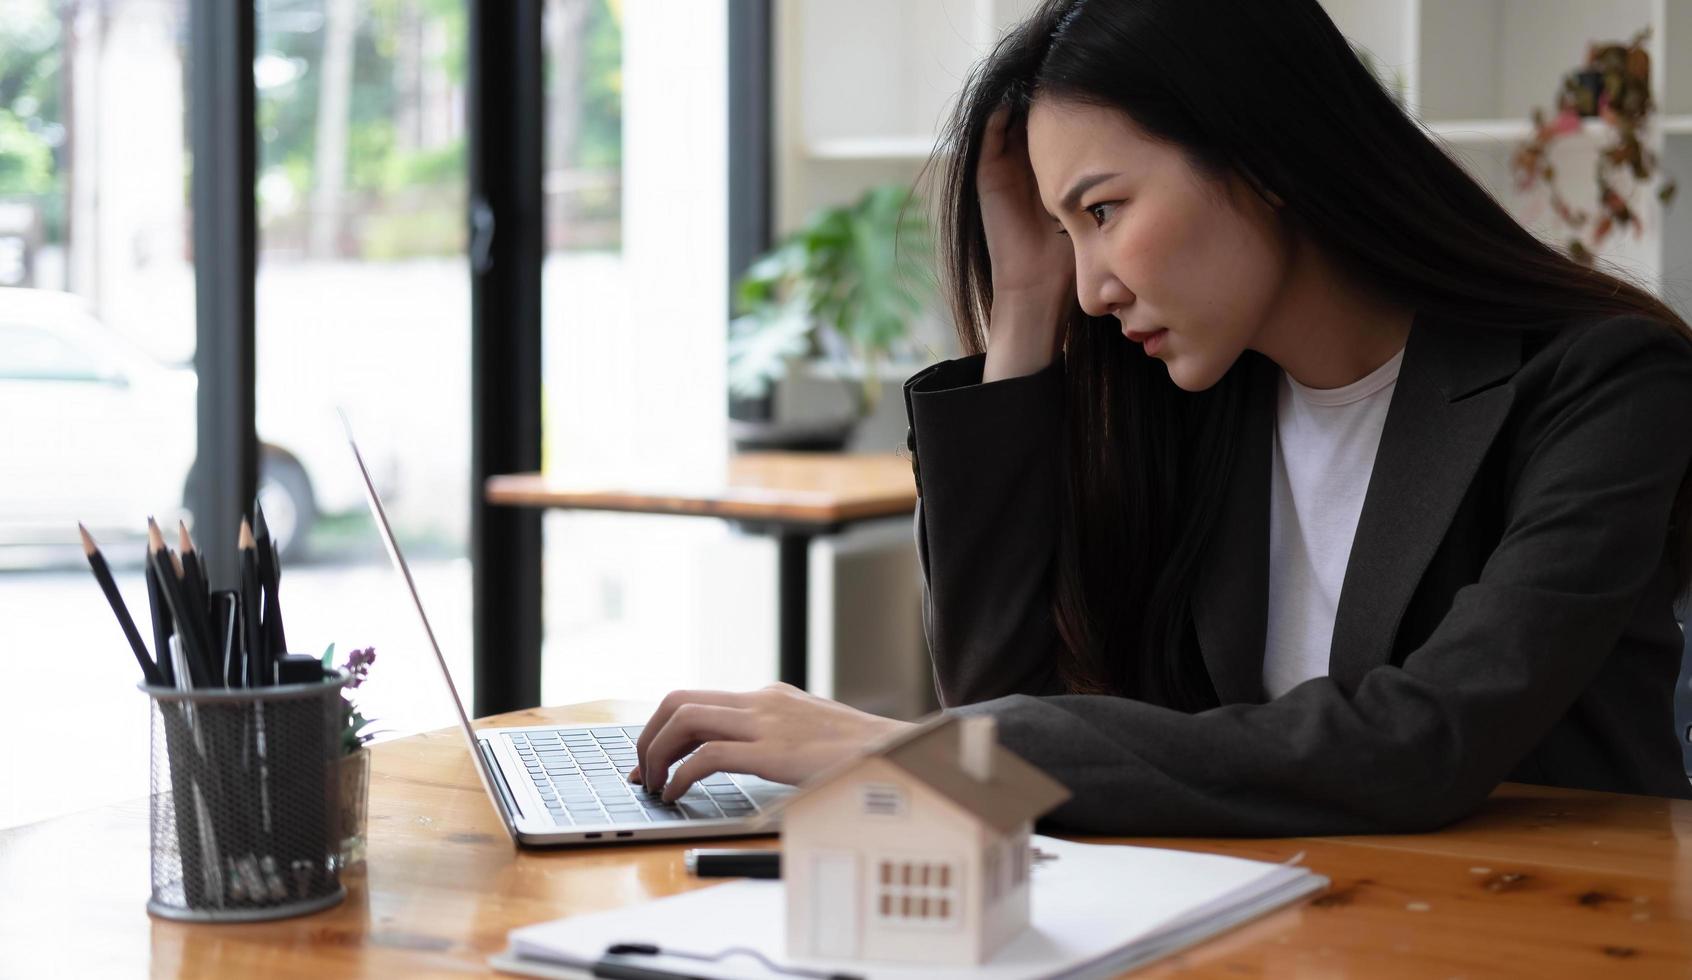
[{"x": 98, "y": 431}]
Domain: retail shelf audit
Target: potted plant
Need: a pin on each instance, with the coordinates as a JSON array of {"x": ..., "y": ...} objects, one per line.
[
  {"x": 1615, "y": 86},
  {"x": 354, "y": 769},
  {"x": 841, "y": 292}
]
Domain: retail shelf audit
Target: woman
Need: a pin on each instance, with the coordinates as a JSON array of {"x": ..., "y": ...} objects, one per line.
[{"x": 1293, "y": 487}]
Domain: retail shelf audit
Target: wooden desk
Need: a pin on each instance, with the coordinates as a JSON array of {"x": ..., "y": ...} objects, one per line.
[
  {"x": 792, "y": 496},
  {"x": 1542, "y": 883}
]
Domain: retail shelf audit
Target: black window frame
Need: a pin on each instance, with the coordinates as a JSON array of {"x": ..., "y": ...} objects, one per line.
[
  {"x": 506, "y": 113},
  {"x": 224, "y": 145}
]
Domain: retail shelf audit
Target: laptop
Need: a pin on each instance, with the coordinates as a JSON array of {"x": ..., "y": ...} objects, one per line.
[{"x": 560, "y": 786}]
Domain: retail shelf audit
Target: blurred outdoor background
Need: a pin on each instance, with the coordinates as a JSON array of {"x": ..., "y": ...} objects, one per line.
[{"x": 364, "y": 305}]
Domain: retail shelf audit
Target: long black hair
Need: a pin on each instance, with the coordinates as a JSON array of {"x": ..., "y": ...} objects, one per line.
[{"x": 1271, "y": 90}]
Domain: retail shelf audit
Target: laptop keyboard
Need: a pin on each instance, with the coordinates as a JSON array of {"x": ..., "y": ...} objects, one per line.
[{"x": 582, "y": 775}]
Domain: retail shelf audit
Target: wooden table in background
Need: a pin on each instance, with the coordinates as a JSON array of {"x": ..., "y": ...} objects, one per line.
[
  {"x": 791, "y": 496},
  {"x": 1541, "y": 883}
]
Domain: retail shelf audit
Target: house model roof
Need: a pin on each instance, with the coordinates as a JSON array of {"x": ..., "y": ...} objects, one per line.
[{"x": 932, "y": 752}]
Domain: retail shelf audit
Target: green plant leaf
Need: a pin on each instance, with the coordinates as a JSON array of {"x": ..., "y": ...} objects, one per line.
[{"x": 845, "y": 285}]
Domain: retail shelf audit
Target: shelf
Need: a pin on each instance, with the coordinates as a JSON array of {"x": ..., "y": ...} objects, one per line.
[
  {"x": 872, "y": 148},
  {"x": 1463, "y": 131},
  {"x": 1490, "y": 59}
]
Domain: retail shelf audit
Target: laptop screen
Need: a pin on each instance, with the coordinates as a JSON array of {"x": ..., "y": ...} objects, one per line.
[{"x": 394, "y": 555}]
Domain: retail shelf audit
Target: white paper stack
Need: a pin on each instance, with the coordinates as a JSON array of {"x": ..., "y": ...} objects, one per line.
[{"x": 1097, "y": 910}]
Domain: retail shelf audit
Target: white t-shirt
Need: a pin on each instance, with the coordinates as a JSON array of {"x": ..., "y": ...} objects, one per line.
[{"x": 1324, "y": 450}]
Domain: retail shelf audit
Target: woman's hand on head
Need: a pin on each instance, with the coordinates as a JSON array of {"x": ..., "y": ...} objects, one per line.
[
  {"x": 1033, "y": 265},
  {"x": 779, "y": 732}
]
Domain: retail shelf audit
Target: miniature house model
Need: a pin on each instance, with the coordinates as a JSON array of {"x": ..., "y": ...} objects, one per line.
[{"x": 915, "y": 851}]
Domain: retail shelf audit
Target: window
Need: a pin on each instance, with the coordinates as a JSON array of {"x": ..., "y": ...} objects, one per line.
[
  {"x": 883, "y": 800},
  {"x": 34, "y": 354},
  {"x": 634, "y": 320},
  {"x": 917, "y": 893},
  {"x": 94, "y": 247},
  {"x": 363, "y": 303}
]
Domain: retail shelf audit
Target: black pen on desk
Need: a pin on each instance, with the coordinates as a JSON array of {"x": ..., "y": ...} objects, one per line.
[
  {"x": 103, "y": 575},
  {"x": 619, "y": 963},
  {"x": 710, "y": 862}
]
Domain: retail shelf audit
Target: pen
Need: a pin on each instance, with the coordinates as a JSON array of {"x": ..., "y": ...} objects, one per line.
[
  {"x": 103, "y": 574},
  {"x": 708, "y": 862},
  {"x": 613, "y": 965}
]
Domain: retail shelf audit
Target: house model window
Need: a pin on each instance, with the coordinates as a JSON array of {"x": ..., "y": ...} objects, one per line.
[
  {"x": 883, "y": 800},
  {"x": 918, "y": 892}
]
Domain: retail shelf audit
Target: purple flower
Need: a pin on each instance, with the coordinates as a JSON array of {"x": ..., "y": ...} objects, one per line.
[{"x": 358, "y": 665}]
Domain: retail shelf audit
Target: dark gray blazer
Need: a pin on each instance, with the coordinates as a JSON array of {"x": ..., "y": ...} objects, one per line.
[{"x": 1506, "y": 613}]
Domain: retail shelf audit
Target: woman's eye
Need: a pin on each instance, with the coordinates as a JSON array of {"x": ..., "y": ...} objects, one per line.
[{"x": 1099, "y": 213}]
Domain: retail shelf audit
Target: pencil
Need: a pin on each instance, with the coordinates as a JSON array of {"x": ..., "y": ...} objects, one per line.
[
  {"x": 198, "y": 628},
  {"x": 194, "y": 565},
  {"x": 257, "y": 667},
  {"x": 269, "y": 576},
  {"x": 194, "y": 578},
  {"x": 169, "y": 572},
  {"x": 103, "y": 575},
  {"x": 273, "y": 614},
  {"x": 161, "y": 621}
]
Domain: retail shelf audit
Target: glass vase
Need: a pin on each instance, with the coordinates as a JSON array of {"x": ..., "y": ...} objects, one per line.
[{"x": 355, "y": 808}]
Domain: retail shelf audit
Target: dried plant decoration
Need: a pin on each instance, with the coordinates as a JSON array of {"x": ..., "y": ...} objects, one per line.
[{"x": 1615, "y": 87}]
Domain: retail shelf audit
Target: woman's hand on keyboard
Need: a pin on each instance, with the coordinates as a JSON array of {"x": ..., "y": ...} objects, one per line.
[{"x": 779, "y": 732}]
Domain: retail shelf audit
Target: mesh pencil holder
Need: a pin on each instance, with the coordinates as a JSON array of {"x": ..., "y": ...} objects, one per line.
[{"x": 244, "y": 810}]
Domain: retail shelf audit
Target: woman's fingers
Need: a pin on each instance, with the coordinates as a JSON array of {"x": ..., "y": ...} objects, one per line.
[
  {"x": 715, "y": 757},
  {"x": 674, "y": 700},
  {"x": 689, "y": 726}
]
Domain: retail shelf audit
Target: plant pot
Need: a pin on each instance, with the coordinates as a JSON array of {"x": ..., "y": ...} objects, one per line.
[
  {"x": 355, "y": 806},
  {"x": 825, "y": 436}
]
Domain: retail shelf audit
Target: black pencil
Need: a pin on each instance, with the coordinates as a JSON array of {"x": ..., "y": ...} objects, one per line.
[
  {"x": 257, "y": 667},
  {"x": 169, "y": 572},
  {"x": 194, "y": 579},
  {"x": 103, "y": 575},
  {"x": 273, "y": 612},
  {"x": 161, "y": 621},
  {"x": 269, "y": 577},
  {"x": 197, "y": 626},
  {"x": 195, "y": 566}
]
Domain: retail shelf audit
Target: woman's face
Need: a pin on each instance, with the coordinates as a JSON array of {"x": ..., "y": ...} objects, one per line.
[{"x": 1190, "y": 266}]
